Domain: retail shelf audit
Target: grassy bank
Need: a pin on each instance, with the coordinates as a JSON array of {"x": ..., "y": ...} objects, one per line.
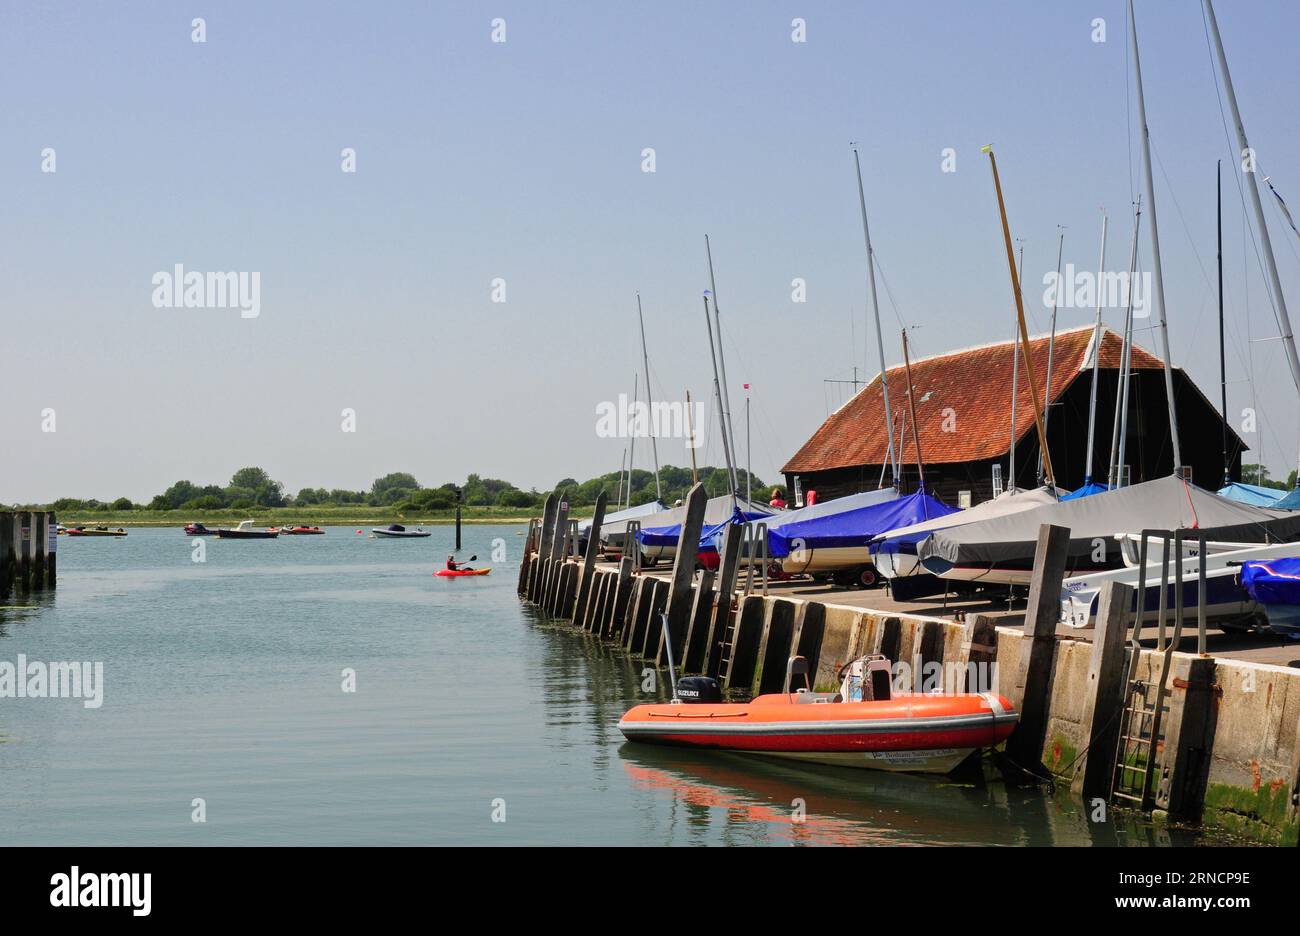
[{"x": 278, "y": 516}]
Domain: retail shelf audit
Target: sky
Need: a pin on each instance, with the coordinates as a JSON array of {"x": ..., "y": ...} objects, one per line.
[{"x": 483, "y": 163}]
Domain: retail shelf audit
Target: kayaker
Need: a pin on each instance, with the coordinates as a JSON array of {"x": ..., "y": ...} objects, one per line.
[{"x": 452, "y": 565}]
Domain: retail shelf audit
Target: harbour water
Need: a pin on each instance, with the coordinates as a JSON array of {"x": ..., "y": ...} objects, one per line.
[{"x": 473, "y": 721}]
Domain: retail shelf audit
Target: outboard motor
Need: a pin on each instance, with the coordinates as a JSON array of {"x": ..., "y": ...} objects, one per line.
[{"x": 698, "y": 689}]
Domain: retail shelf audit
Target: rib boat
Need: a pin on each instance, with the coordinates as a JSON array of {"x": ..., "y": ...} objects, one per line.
[
  {"x": 864, "y": 725},
  {"x": 397, "y": 531}
]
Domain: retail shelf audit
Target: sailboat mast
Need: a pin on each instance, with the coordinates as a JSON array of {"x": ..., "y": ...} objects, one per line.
[
  {"x": 645, "y": 360},
  {"x": 1096, "y": 357},
  {"x": 636, "y": 392},
  {"x": 875, "y": 309},
  {"x": 749, "y": 457},
  {"x": 1162, "y": 325},
  {"x": 1051, "y": 345},
  {"x": 1223, "y": 364},
  {"x": 911, "y": 405},
  {"x": 717, "y": 393},
  {"x": 727, "y": 426},
  {"x": 1119, "y": 434},
  {"x": 1015, "y": 392},
  {"x": 1270, "y": 263},
  {"x": 690, "y": 435},
  {"x": 1048, "y": 473}
]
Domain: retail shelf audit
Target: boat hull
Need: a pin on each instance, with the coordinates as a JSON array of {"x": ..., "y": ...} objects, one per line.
[
  {"x": 404, "y": 534},
  {"x": 459, "y": 573},
  {"x": 916, "y": 733},
  {"x": 247, "y": 534}
]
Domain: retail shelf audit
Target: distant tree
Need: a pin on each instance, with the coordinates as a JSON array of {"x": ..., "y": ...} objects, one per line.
[
  {"x": 516, "y": 498},
  {"x": 179, "y": 493},
  {"x": 122, "y": 503},
  {"x": 206, "y": 502},
  {"x": 241, "y": 503},
  {"x": 250, "y": 478},
  {"x": 65, "y": 504},
  {"x": 398, "y": 480}
]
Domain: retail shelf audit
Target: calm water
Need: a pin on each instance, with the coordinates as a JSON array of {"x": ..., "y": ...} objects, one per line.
[{"x": 223, "y": 682}]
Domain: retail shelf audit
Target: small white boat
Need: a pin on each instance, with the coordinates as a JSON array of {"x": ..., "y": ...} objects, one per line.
[
  {"x": 397, "y": 531},
  {"x": 1226, "y": 599}
]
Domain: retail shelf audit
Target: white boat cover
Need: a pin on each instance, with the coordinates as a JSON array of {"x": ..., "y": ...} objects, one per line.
[
  {"x": 1008, "y": 502},
  {"x": 630, "y": 513},
  {"x": 1165, "y": 504}
]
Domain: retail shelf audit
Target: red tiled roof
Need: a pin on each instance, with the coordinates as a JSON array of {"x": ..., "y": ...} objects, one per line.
[{"x": 975, "y": 385}]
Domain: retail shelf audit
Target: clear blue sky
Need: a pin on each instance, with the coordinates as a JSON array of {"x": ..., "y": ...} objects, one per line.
[{"x": 522, "y": 160}]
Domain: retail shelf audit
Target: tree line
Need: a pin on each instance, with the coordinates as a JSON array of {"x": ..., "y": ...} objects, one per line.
[{"x": 250, "y": 488}]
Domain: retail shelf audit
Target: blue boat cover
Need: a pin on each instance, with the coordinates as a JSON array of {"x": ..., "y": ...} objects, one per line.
[
  {"x": 1089, "y": 489},
  {"x": 1252, "y": 494},
  {"x": 1276, "y": 582},
  {"x": 855, "y": 527},
  {"x": 669, "y": 535},
  {"x": 711, "y": 536},
  {"x": 1290, "y": 502}
]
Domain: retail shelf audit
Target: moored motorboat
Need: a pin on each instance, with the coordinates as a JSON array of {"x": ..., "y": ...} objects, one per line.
[
  {"x": 245, "y": 531},
  {"x": 863, "y": 725},
  {"x": 198, "y": 529},
  {"x": 397, "y": 531},
  {"x": 95, "y": 531}
]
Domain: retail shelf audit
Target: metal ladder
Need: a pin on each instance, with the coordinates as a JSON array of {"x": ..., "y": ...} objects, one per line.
[{"x": 1140, "y": 743}]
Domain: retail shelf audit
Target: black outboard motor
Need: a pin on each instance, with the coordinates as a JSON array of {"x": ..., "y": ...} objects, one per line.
[{"x": 697, "y": 689}]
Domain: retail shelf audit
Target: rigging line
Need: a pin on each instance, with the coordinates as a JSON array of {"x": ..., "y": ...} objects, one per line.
[{"x": 888, "y": 292}]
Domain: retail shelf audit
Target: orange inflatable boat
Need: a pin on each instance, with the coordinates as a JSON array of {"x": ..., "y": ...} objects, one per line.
[{"x": 875, "y": 728}]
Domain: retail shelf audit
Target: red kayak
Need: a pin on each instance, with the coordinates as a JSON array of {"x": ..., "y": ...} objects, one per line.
[
  {"x": 301, "y": 531},
  {"x": 456, "y": 573}
]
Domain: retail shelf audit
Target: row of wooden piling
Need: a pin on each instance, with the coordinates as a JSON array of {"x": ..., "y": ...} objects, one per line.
[
  {"x": 28, "y": 550},
  {"x": 743, "y": 641}
]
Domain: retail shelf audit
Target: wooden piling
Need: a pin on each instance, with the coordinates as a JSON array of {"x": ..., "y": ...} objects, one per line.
[
  {"x": 589, "y": 558},
  {"x": 622, "y": 593},
  {"x": 522, "y": 586},
  {"x": 1188, "y": 727},
  {"x": 8, "y": 563},
  {"x": 556, "y": 557},
  {"x": 774, "y": 651},
  {"x": 642, "y": 591},
  {"x": 543, "y": 548},
  {"x": 1031, "y": 694},
  {"x": 1104, "y": 694},
  {"x": 697, "y": 632},
  {"x": 652, "y": 636},
  {"x": 979, "y": 651},
  {"x": 810, "y": 628},
  {"x": 25, "y": 551},
  {"x": 890, "y": 634},
  {"x": 599, "y": 595},
  {"x": 688, "y": 546},
  {"x": 744, "y": 644},
  {"x": 40, "y": 545}
]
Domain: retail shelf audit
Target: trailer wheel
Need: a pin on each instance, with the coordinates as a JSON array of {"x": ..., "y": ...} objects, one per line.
[{"x": 867, "y": 577}]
